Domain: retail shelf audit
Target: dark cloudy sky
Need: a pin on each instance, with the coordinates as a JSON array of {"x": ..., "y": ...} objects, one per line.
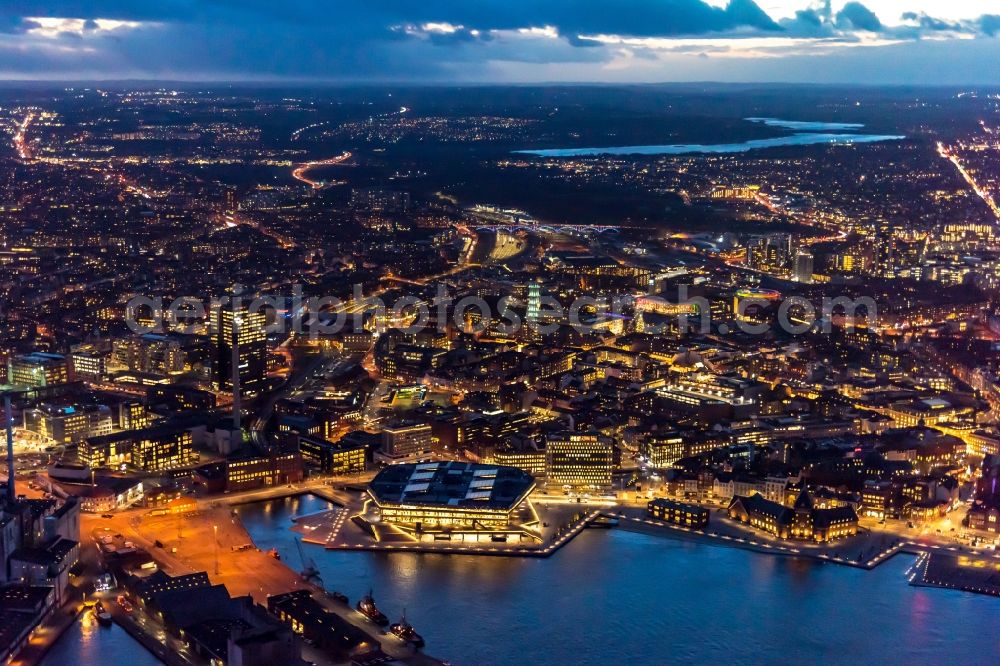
[{"x": 872, "y": 41}]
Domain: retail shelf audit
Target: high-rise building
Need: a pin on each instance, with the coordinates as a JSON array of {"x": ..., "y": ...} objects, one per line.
[
  {"x": 581, "y": 460},
  {"x": 770, "y": 252},
  {"x": 534, "y": 307},
  {"x": 245, "y": 331},
  {"x": 803, "y": 267}
]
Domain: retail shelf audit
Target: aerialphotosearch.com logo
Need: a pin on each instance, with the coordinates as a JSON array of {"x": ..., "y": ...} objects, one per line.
[{"x": 322, "y": 316}]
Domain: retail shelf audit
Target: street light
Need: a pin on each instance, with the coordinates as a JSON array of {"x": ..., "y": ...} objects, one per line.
[{"x": 215, "y": 529}]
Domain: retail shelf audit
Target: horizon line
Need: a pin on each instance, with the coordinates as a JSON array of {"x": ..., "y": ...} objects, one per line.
[{"x": 346, "y": 83}]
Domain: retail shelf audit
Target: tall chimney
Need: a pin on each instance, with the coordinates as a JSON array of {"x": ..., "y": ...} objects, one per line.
[
  {"x": 11, "y": 494},
  {"x": 236, "y": 374}
]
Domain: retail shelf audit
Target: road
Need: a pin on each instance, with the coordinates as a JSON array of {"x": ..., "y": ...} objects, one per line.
[
  {"x": 21, "y": 144},
  {"x": 258, "y": 433},
  {"x": 299, "y": 172},
  {"x": 987, "y": 198},
  {"x": 317, "y": 485},
  {"x": 374, "y": 402},
  {"x": 232, "y": 219}
]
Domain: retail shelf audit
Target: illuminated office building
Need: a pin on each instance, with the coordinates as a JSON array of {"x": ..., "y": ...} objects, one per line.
[
  {"x": 532, "y": 462},
  {"x": 152, "y": 353},
  {"x": 263, "y": 471},
  {"x": 37, "y": 370},
  {"x": 181, "y": 398},
  {"x": 661, "y": 450},
  {"x": 88, "y": 363},
  {"x": 406, "y": 362},
  {"x": 678, "y": 513},
  {"x": 151, "y": 450},
  {"x": 581, "y": 460},
  {"x": 344, "y": 457},
  {"x": 245, "y": 330},
  {"x": 70, "y": 424},
  {"x": 132, "y": 416},
  {"x": 534, "y": 308},
  {"x": 406, "y": 439},
  {"x": 737, "y": 192},
  {"x": 154, "y": 454}
]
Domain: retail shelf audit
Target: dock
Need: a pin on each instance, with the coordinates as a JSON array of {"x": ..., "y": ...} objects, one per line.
[
  {"x": 206, "y": 542},
  {"x": 957, "y": 572}
]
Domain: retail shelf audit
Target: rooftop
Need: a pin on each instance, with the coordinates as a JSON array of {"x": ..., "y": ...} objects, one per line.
[{"x": 454, "y": 484}]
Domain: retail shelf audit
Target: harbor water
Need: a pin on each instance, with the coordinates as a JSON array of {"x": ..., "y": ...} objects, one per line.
[
  {"x": 613, "y": 596},
  {"x": 86, "y": 642}
]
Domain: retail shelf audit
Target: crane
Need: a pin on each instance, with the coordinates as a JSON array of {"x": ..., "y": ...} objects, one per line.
[{"x": 309, "y": 572}]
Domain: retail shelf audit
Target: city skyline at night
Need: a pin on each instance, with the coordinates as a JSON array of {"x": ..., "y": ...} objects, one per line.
[{"x": 568, "y": 332}]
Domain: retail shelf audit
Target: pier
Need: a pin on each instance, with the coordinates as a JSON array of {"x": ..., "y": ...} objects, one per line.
[{"x": 957, "y": 572}]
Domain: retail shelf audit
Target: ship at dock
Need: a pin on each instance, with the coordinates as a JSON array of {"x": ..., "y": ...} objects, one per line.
[
  {"x": 366, "y": 606},
  {"x": 102, "y": 614},
  {"x": 404, "y": 631}
]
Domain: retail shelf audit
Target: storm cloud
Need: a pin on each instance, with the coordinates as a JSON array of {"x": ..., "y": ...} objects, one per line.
[{"x": 442, "y": 40}]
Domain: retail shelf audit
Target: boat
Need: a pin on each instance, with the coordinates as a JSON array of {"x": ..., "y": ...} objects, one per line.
[
  {"x": 102, "y": 615},
  {"x": 404, "y": 631},
  {"x": 366, "y": 606}
]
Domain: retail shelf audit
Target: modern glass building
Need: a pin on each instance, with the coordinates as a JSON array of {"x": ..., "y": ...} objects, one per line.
[
  {"x": 244, "y": 329},
  {"x": 454, "y": 495}
]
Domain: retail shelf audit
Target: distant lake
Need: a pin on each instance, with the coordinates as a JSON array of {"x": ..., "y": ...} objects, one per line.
[
  {"x": 807, "y": 125},
  {"x": 807, "y": 133}
]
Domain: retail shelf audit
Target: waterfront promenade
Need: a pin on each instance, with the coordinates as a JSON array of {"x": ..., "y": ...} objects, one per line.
[
  {"x": 939, "y": 565},
  {"x": 874, "y": 544}
]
